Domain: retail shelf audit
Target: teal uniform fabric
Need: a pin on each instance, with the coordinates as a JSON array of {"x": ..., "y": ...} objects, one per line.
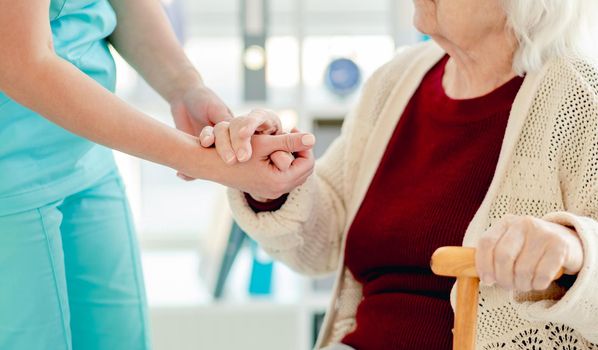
[
  {"x": 70, "y": 276},
  {"x": 70, "y": 272},
  {"x": 39, "y": 161}
]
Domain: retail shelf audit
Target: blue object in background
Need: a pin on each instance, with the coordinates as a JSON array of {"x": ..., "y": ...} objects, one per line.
[
  {"x": 261, "y": 272},
  {"x": 236, "y": 239},
  {"x": 343, "y": 76}
]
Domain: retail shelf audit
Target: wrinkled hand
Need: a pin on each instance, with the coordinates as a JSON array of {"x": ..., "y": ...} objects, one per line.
[
  {"x": 261, "y": 177},
  {"x": 526, "y": 253},
  {"x": 232, "y": 138},
  {"x": 233, "y": 141},
  {"x": 195, "y": 109}
]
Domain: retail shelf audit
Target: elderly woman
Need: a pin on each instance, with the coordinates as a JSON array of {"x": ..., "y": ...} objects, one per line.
[{"x": 486, "y": 137}]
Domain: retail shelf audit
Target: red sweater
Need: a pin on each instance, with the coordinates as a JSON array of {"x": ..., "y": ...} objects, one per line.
[{"x": 432, "y": 179}]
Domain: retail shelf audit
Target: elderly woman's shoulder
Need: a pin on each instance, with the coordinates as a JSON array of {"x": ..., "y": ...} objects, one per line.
[{"x": 577, "y": 71}]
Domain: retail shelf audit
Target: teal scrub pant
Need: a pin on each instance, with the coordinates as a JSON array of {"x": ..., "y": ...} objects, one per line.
[{"x": 70, "y": 275}]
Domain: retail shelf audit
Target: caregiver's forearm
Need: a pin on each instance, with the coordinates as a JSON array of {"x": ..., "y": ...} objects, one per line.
[
  {"x": 61, "y": 93},
  {"x": 144, "y": 37},
  {"x": 34, "y": 76}
]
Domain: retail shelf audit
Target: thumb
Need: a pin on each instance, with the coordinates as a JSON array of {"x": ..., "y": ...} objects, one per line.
[
  {"x": 264, "y": 145},
  {"x": 282, "y": 160}
]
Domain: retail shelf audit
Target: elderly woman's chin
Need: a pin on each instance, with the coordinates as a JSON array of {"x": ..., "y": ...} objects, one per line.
[
  {"x": 423, "y": 25},
  {"x": 424, "y": 18}
]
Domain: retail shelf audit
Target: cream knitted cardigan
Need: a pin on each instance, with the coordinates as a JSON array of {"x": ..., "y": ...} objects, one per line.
[{"x": 548, "y": 167}]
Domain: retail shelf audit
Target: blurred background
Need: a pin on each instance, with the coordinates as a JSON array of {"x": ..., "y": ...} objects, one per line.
[{"x": 210, "y": 287}]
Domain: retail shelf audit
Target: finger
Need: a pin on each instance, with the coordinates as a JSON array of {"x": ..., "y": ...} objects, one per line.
[
  {"x": 526, "y": 264},
  {"x": 242, "y": 128},
  {"x": 262, "y": 120},
  {"x": 226, "y": 114},
  {"x": 293, "y": 178},
  {"x": 223, "y": 146},
  {"x": 548, "y": 267},
  {"x": 222, "y": 114},
  {"x": 282, "y": 160},
  {"x": 485, "y": 251},
  {"x": 304, "y": 154},
  {"x": 506, "y": 253},
  {"x": 302, "y": 165},
  {"x": 264, "y": 145},
  {"x": 241, "y": 136},
  {"x": 206, "y": 137}
]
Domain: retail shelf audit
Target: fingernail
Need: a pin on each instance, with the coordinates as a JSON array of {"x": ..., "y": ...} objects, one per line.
[
  {"x": 230, "y": 157},
  {"x": 242, "y": 155},
  {"x": 308, "y": 140},
  {"x": 243, "y": 130}
]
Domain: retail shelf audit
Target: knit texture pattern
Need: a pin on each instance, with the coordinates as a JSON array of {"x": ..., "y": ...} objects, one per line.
[{"x": 548, "y": 168}]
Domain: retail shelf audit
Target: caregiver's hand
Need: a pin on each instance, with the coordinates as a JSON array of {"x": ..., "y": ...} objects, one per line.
[
  {"x": 526, "y": 253},
  {"x": 233, "y": 138},
  {"x": 197, "y": 107},
  {"x": 263, "y": 179}
]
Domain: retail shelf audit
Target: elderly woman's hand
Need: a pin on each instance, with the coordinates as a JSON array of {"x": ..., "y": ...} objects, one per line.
[
  {"x": 261, "y": 177},
  {"x": 526, "y": 253}
]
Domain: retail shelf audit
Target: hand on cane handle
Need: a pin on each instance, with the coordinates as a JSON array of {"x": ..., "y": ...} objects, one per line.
[{"x": 460, "y": 262}]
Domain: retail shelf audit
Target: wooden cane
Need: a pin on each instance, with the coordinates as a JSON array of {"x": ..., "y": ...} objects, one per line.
[{"x": 460, "y": 262}]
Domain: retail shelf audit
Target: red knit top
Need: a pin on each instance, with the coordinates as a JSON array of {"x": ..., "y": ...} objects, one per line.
[{"x": 432, "y": 179}]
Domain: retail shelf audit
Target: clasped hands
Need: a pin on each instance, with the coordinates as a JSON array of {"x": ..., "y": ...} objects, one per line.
[
  {"x": 257, "y": 141},
  {"x": 258, "y": 158}
]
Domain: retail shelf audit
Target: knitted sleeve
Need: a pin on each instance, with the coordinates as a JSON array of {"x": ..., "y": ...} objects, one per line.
[
  {"x": 306, "y": 232},
  {"x": 578, "y": 137}
]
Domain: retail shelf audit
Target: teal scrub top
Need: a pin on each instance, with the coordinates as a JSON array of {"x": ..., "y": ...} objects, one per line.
[{"x": 39, "y": 161}]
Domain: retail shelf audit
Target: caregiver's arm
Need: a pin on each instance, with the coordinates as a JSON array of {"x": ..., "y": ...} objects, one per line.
[
  {"x": 33, "y": 75},
  {"x": 144, "y": 37}
]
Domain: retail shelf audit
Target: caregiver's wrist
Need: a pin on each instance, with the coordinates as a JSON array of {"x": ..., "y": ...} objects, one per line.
[
  {"x": 191, "y": 159},
  {"x": 185, "y": 80}
]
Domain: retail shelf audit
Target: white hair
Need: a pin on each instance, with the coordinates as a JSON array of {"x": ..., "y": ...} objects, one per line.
[{"x": 551, "y": 28}]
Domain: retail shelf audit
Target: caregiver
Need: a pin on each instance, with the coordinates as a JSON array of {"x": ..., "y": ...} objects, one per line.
[{"x": 70, "y": 276}]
